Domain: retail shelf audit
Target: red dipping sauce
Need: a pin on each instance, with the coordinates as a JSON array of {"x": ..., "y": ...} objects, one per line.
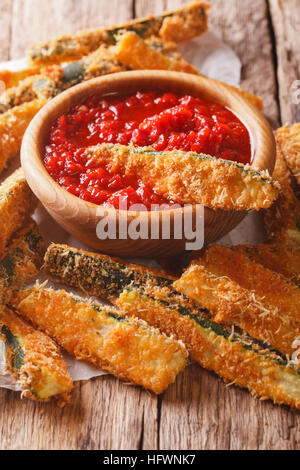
[{"x": 163, "y": 121}]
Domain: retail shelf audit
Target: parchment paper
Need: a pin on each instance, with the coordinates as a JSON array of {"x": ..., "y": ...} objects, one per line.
[{"x": 214, "y": 59}]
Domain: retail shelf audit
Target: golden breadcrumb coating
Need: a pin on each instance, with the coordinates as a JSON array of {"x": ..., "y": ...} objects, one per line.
[
  {"x": 132, "y": 51},
  {"x": 186, "y": 177},
  {"x": 97, "y": 274},
  {"x": 231, "y": 304},
  {"x": 13, "y": 78},
  {"x": 282, "y": 259},
  {"x": 236, "y": 360},
  {"x": 13, "y": 124},
  {"x": 126, "y": 348},
  {"x": 271, "y": 286},
  {"x": 34, "y": 360},
  {"x": 17, "y": 203}
]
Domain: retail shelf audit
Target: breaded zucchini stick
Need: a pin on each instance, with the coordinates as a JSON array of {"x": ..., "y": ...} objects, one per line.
[
  {"x": 178, "y": 25},
  {"x": 125, "y": 347},
  {"x": 34, "y": 360},
  {"x": 238, "y": 360},
  {"x": 276, "y": 291},
  {"x": 288, "y": 140},
  {"x": 17, "y": 203},
  {"x": 231, "y": 304},
  {"x": 55, "y": 79},
  {"x": 282, "y": 220},
  {"x": 186, "y": 177},
  {"x": 132, "y": 51},
  {"x": 97, "y": 274},
  {"x": 282, "y": 259},
  {"x": 11, "y": 79},
  {"x": 13, "y": 125},
  {"x": 21, "y": 262}
]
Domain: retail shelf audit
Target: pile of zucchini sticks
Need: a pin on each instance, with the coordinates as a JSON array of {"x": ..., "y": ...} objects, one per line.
[{"x": 54, "y": 66}]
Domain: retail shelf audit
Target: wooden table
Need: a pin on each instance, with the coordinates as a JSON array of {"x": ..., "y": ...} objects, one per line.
[{"x": 198, "y": 411}]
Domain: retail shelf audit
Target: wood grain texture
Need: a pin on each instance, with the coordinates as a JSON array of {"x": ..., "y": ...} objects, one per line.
[
  {"x": 198, "y": 412},
  {"x": 39, "y": 20},
  {"x": 285, "y": 16},
  {"x": 104, "y": 414},
  {"x": 5, "y": 28}
]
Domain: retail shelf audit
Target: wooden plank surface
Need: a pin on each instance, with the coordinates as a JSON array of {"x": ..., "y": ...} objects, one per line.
[
  {"x": 286, "y": 24},
  {"x": 198, "y": 411}
]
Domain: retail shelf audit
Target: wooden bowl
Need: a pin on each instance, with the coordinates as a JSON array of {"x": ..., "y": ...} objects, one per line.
[{"x": 80, "y": 218}]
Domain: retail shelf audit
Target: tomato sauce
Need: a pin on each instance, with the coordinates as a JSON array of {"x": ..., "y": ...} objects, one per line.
[{"x": 164, "y": 121}]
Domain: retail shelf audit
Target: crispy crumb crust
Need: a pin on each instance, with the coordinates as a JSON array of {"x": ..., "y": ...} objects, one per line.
[
  {"x": 236, "y": 362},
  {"x": 97, "y": 274},
  {"x": 284, "y": 260},
  {"x": 22, "y": 261},
  {"x": 126, "y": 348},
  {"x": 186, "y": 177},
  {"x": 271, "y": 286},
  {"x": 178, "y": 25},
  {"x": 13, "y": 124},
  {"x": 288, "y": 140},
  {"x": 282, "y": 219},
  {"x": 34, "y": 360},
  {"x": 17, "y": 203},
  {"x": 135, "y": 53},
  {"x": 230, "y": 304}
]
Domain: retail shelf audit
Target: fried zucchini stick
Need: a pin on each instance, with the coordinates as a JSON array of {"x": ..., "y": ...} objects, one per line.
[
  {"x": 125, "y": 347},
  {"x": 282, "y": 259},
  {"x": 34, "y": 360},
  {"x": 11, "y": 79},
  {"x": 288, "y": 140},
  {"x": 136, "y": 54},
  {"x": 236, "y": 359},
  {"x": 187, "y": 177},
  {"x": 230, "y": 304},
  {"x": 271, "y": 286},
  {"x": 21, "y": 262},
  {"x": 97, "y": 274},
  {"x": 178, "y": 25},
  {"x": 149, "y": 295},
  {"x": 282, "y": 220},
  {"x": 13, "y": 125},
  {"x": 17, "y": 203}
]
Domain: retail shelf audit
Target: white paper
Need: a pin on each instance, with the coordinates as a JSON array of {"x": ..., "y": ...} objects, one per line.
[{"x": 214, "y": 59}]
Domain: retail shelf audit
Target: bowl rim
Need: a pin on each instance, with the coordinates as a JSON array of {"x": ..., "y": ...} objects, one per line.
[{"x": 252, "y": 118}]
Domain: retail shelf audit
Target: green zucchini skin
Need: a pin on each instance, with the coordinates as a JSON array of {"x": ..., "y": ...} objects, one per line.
[
  {"x": 96, "y": 274},
  {"x": 235, "y": 358}
]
